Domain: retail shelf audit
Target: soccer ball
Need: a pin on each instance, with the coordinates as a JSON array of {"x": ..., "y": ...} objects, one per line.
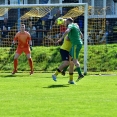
[{"x": 60, "y": 21}]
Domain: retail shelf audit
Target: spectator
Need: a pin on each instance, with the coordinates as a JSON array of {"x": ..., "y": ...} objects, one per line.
[
  {"x": 80, "y": 21},
  {"x": 32, "y": 30},
  {"x": 64, "y": 11},
  {"x": 39, "y": 31},
  {"x": 108, "y": 30},
  {"x": 57, "y": 15},
  {"x": 4, "y": 28},
  {"x": 115, "y": 32},
  {"x": 62, "y": 29}
]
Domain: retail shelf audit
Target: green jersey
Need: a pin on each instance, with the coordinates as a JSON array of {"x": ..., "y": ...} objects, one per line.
[{"x": 74, "y": 34}]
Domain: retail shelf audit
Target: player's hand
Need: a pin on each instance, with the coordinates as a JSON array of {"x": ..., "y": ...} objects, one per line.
[
  {"x": 59, "y": 40},
  {"x": 31, "y": 48}
]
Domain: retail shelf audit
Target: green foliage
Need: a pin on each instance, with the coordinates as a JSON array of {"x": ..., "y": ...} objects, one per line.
[{"x": 100, "y": 58}]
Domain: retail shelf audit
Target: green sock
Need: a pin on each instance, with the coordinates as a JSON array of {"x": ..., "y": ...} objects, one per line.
[
  {"x": 65, "y": 69},
  {"x": 79, "y": 70}
]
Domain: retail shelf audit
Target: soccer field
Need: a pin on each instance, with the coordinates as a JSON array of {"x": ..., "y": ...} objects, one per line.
[{"x": 22, "y": 95}]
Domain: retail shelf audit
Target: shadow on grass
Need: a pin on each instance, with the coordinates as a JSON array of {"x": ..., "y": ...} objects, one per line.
[
  {"x": 57, "y": 86},
  {"x": 8, "y": 76},
  {"x": 19, "y": 75}
]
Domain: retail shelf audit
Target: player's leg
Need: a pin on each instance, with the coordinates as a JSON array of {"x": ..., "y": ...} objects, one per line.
[
  {"x": 65, "y": 69},
  {"x": 77, "y": 64},
  {"x": 71, "y": 70},
  {"x": 28, "y": 54},
  {"x": 17, "y": 54},
  {"x": 65, "y": 62},
  {"x": 30, "y": 63},
  {"x": 15, "y": 63},
  {"x": 59, "y": 69},
  {"x": 76, "y": 51},
  {"x": 70, "y": 58}
]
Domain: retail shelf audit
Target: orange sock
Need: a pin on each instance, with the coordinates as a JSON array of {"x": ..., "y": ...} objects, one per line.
[
  {"x": 30, "y": 63},
  {"x": 15, "y": 64}
]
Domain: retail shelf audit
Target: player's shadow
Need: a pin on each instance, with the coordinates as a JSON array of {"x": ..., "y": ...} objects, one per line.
[
  {"x": 9, "y": 76},
  {"x": 57, "y": 86}
]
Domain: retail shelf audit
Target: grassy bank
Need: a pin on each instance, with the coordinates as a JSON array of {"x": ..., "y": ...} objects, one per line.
[{"x": 100, "y": 58}]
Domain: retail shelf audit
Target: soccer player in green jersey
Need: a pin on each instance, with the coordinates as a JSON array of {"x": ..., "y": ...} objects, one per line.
[
  {"x": 74, "y": 36},
  {"x": 66, "y": 59}
]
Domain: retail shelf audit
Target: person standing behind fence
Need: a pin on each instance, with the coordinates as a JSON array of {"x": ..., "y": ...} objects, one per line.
[
  {"x": 32, "y": 29},
  {"x": 108, "y": 31},
  {"x": 24, "y": 45},
  {"x": 4, "y": 28},
  {"x": 115, "y": 33}
]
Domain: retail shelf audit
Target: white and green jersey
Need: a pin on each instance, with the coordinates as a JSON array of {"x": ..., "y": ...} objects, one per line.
[{"x": 74, "y": 34}]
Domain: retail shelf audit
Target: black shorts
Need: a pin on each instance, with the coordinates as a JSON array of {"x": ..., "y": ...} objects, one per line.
[{"x": 64, "y": 55}]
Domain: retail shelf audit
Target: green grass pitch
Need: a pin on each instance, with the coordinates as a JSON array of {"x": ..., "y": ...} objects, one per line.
[{"x": 38, "y": 95}]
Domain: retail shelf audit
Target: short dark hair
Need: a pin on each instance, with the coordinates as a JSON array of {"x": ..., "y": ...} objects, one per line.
[
  {"x": 22, "y": 24},
  {"x": 70, "y": 19}
]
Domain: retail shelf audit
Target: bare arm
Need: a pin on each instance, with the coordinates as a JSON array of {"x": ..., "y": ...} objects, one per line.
[
  {"x": 14, "y": 41},
  {"x": 79, "y": 29},
  {"x": 66, "y": 32},
  {"x": 81, "y": 34},
  {"x": 30, "y": 42}
]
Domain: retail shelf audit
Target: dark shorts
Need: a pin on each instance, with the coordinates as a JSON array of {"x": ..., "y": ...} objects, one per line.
[{"x": 64, "y": 55}]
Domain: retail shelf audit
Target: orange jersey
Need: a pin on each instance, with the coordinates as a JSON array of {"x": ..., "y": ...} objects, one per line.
[{"x": 23, "y": 39}]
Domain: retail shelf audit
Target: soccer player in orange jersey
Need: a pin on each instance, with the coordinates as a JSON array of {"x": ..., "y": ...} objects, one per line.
[{"x": 24, "y": 45}]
